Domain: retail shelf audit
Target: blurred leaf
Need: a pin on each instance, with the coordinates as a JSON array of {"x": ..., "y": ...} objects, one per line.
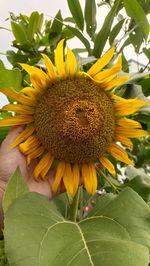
[
  {"x": 80, "y": 36},
  {"x": 136, "y": 38},
  {"x": 56, "y": 25},
  {"x": 15, "y": 58},
  {"x": 135, "y": 11},
  {"x": 130, "y": 211},
  {"x": 76, "y": 11},
  {"x": 90, "y": 17},
  {"x": 140, "y": 181},
  {"x": 3, "y": 133},
  {"x": 67, "y": 34},
  {"x": 36, "y": 234},
  {"x": 2, "y": 65},
  {"x": 19, "y": 33},
  {"x": 104, "y": 32},
  {"x": 137, "y": 76},
  {"x": 10, "y": 78},
  {"x": 16, "y": 187},
  {"x": 115, "y": 31},
  {"x": 62, "y": 203},
  {"x": 33, "y": 25},
  {"x": 145, "y": 83},
  {"x": 147, "y": 52},
  {"x": 69, "y": 19}
]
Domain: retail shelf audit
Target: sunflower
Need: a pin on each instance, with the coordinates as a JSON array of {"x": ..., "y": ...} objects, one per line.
[{"x": 73, "y": 118}]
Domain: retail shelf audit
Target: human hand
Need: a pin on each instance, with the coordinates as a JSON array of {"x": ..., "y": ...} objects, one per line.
[{"x": 10, "y": 159}]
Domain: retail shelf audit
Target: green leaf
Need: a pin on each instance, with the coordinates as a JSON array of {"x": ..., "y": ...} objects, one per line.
[
  {"x": 3, "y": 133},
  {"x": 57, "y": 24},
  {"x": 130, "y": 211},
  {"x": 19, "y": 33},
  {"x": 90, "y": 17},
  {"x": 115, "y": 31},
  {"x": 37, "y": 234},
  {"x": 76, "y": 11},
  {"x": 80, "y": 36},
  {"x": 135, "y": 11},
  {"x": 104, "y": 32},
  {"x": 145, "y": 83},
  {"x": 15, "y": 188},
  {"x": 2, "y": 65},
  {"x": 10, "y": 78},
  {"x": 33, "y": 25}
]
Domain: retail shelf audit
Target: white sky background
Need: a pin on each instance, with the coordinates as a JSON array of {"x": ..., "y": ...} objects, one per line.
[{"x": 49, "y": 8}]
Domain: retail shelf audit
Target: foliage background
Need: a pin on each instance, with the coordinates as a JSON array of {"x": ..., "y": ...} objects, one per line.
[{"x": 117, "y": 231}]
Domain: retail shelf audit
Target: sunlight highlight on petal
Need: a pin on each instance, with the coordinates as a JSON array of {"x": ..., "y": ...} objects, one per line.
[
  {"x": 70, "y": 64},
  {"x": 101, "y": 62},
  {"x": 50, "y": 68},
  {"x": 59, "y": 59}
]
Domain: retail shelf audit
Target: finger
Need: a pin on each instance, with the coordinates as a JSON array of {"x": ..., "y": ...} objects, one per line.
[{"x": 11, "y": 158}]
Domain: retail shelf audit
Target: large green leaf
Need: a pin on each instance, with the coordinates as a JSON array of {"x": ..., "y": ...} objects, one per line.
[
  {"x": 75, "y": 8},
  {"x": 135, "y": 11},
  {"x": 37, "y": 234},
  {"x": 130, "y": 211},
  {"x": 10, "y": 78},
  {"x": 15, "y": 188},
  {"x": 104, "y": 32},
  {"x": 90, "y": 17}
]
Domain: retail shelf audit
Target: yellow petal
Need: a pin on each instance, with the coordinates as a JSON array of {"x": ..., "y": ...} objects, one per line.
[
  {"x": 68, "y": 179},
  {"x": 59, "y": 174},
  {"x": 42, "y": 165},
  {"x": 76, "y": 177},
  {"x": 47, "y": 166},
  {"x": 114, "y": 83},
  {"x": 132, "y": 132},
  {"x": 59, "y": 60},
  {"x": 35, "y": 153},
  {"x": 108, "y": 165},
  {"x": 123, "y": 140},
  {"x": 126, "y": 122},
  {"x": 93, "y": 175},
  {"x": 50, "y": 67},
  {"x": 128, "y": 107},
  {"x": 87, "y": 178},
  {"x": 103, "y": 61},
  {"x": 31, "y": 70},
  {"x": 30, "y": 145},
  {"x": 16, "y": 120},
  {"x": 23, "y": 136},
  {"x": 70, "y": 64},
  {"x": 18, "y": 108},
  {"x": 119, "y": 153},
  {"x": 109, "y": 72},
  {"x": 31, "y": 92},
  {"x": 18, "y": 97}
]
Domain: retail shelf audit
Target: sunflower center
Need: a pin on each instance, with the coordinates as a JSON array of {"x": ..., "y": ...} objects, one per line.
[{"x": 74, "y": 121}]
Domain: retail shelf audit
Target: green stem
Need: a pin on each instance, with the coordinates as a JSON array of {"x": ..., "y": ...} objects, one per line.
[{"x": 74, "y": 207}]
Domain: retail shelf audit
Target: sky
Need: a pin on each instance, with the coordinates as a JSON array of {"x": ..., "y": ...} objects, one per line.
[{"x": 49, "y": 8}]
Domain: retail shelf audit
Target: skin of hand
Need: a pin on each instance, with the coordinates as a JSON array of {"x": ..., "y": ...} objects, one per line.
[{"x": 10, "y": 159}]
